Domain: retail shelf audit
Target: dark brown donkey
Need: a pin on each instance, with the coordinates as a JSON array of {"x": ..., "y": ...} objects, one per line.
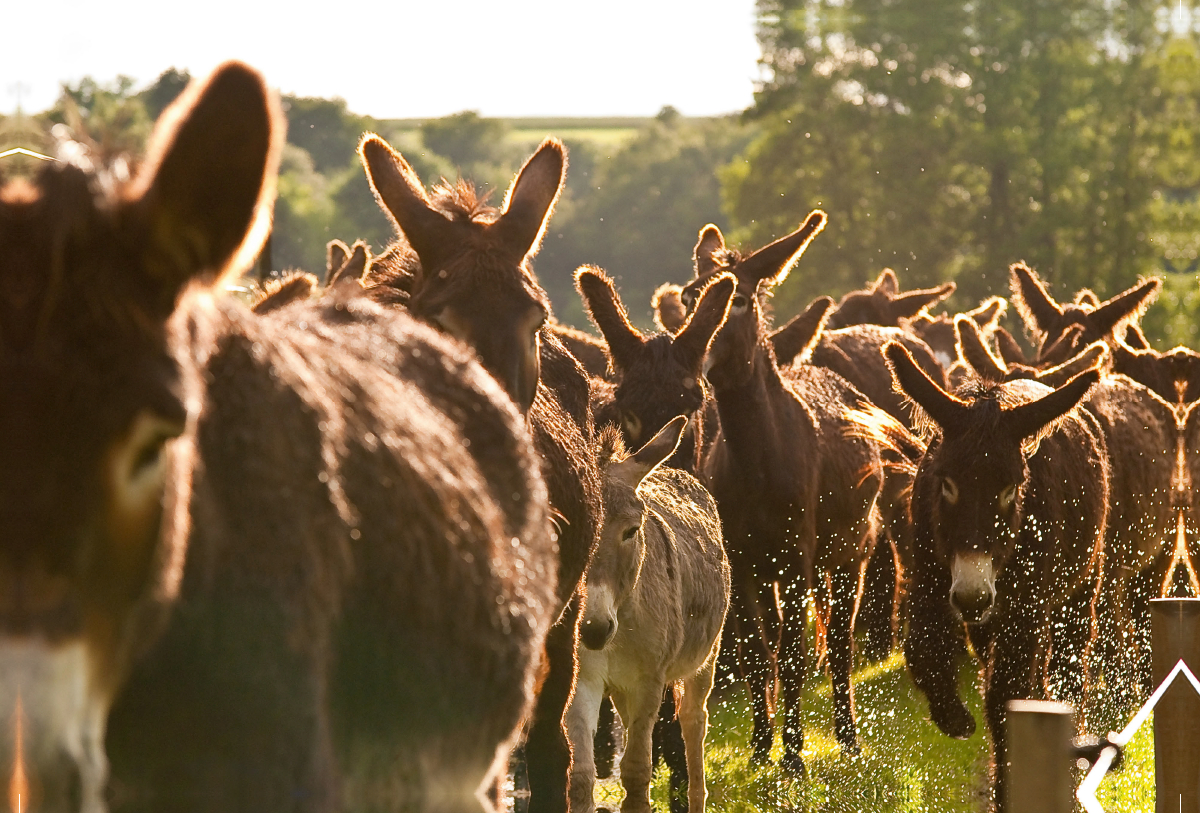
[
  {"x": 883, "y": 304},
  {"x": 797, "y": 495},
  {"x": 223, "y": 533},
  {"x": 1009, "y": 507},
  {"x": 464, "y": 266}
]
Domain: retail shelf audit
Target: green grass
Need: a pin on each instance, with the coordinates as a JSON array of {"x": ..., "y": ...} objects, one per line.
[{"x": 906, "y": 764}]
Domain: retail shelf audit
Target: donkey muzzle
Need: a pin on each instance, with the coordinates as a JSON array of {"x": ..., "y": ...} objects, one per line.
[
  {"x": 973, "y": 589},
  {"x": 595, "y": 633}
]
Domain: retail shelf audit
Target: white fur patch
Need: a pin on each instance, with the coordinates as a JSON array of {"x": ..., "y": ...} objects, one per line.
[
  {"x": 63, "y": 718},
  {"x": 972, "y": 573}
]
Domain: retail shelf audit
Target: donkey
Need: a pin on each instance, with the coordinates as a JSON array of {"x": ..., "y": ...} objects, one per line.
[
  {"x": 1141, "y": 436},
  {"x": 1048, "y": 320},
  {"x": 938, "y": 331},
  {"x": 883, "y": 304},
  {"x": 463, "y": 266},
  {"x": 219, "y": 530},
  {"x": 1009, "y": 507},
  {"x": 657, "y": 594},
  {"x": 796, "y": 493},
  {"x": 660, "y": 376}
]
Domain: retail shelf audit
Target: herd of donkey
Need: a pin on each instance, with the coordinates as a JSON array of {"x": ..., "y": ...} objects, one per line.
[{"x": 347, "y": 547}]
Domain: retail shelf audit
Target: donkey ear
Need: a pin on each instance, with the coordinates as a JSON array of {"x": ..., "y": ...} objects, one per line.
[
  {"x": 774, "y": 261},
  {"x": 1062, "y": 347},
  {"x": 400, "y": 193},
  {"x": 974, "y": 350},
  {"x": 1037, "y": 309},
  {"x": 886, "y": 283},
  {"x": 607, "y": 313},
  {"x": 911, "y": 303},
  {"x": 988, "y": 314},
  {"x": 1135, "y": 338},
  {"x": 353, "y": 267},
  {"x": 669, "y": 311},
  {"x": 712, "y": 307},
  {"x": 645, "y": 460},
  {"x": 531, "y": 198},
  {"x": 205, "y": 191},
  {"x": 941, "y": 406},
  {"x": 795, "y": 340},
  {"x": 336, "y": 253},
  {"x": 1009, "y": 349},
  {"x": 1095, "y": 355},
  {"x": 1028, "y": 420},
  {"x": 1125, "y": 306},
  {"x": 709, "y": 243}
]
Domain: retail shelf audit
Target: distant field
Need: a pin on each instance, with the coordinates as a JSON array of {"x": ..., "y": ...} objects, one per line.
[{"x": 603, "y": 131}]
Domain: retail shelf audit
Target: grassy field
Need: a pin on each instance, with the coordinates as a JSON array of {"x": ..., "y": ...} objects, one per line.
[{"x": 906, "y": 765}]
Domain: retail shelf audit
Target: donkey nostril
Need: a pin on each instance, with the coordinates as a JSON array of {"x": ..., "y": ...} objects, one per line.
[
  {"x": 596, "y": 634},
  {"x": 972, "y": 605}
]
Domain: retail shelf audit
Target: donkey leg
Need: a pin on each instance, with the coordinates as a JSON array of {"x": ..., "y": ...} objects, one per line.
[
  {"x": 581, "y": 721},
  {"x": 693, "y": 719},
  {"x": 1013, "y": 674},
  {"x": 793, "y": 668},
  {"x": 669, "y": 744},
  {"x": 604, "y": 746},
  {"x": 757, "y": 670},
  {"x": 638, "y": 710},
  {"x": 878, "y": 611},
  {"x": 932, "y": 649},
  {"x": 547, "y": 751},
  {"x": 842, "y": 599}
]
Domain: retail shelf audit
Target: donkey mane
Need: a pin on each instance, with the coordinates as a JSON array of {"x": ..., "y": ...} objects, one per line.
[
  {"x": 462, "y": 201},
  {"x": 610, "y": 445}
]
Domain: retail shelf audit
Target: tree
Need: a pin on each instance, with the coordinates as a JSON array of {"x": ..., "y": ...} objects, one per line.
[{"x": 948, "y": 140}]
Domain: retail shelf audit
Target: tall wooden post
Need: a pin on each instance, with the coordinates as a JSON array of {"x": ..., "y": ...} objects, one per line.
[
  {"x": 1041, "y": 758},
  {"x": 1175, "y": 627}
]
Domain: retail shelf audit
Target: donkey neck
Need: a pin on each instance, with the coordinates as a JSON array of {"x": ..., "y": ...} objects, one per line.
[{"x": 755, "y": 410}]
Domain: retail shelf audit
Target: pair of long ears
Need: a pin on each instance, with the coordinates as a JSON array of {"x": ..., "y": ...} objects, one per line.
[
  {"x": 1043, "y": 315},
  {"x": 523, "y": 217},
  {"x": 952, "y": 414},
  {"x": 625, "y": 342},
  {"x": 344, "y": 262},
  {"x": 794, "y": 342},
  {"x": 973, "y": 348},
  {"x": 203, "y": 197},
  {"x": 769, "y": 264},
  {"x": 642, "y": 463}
]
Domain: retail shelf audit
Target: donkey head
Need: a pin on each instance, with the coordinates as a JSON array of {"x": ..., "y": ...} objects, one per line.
[
  {"x": 972, "y": 479},
  {"x": 660, "y": 376},
  {"x": 733, "y": 351},
  {"x": 882, "y": 304},
  {"x": 1174, "y": 375},
  {"x": 91, "y": 399},
  {"x": 669, "y": 311},
  {"x": 617, "y": 565},
  {"x": 470, "y": 275},
  {"x": 973, "y": 349},
  {"x": 1049, "y": 321}
]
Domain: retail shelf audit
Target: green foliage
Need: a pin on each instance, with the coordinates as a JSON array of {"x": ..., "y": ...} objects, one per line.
[
  {"x": 109, "y": 118},
  {"x": 467, "y": 140},
  {"x": 636, "y": 211},
  {"x": 166, "y": 88},
  {"x": 948, "y": 140},
  {"x": 325, "y": 129}
]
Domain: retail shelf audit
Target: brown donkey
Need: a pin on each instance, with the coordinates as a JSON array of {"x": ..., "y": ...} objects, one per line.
[
  {"x": 797, "y": 494},
  {"x": 657, "y": 377},
  {"x": 464, "y": 266},
  {"x": 883, "y": 304},
  {"x": 1009, "y": 508},
  {"x": 221, "y": 531},
  {"x": 657, "y": 593}
]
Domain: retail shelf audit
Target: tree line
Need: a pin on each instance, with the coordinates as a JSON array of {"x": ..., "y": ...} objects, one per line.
[{"x": 945, "y": 140}]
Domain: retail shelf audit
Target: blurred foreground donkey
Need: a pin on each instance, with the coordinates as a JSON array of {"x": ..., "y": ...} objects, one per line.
[{"x": 295, "y": 562}]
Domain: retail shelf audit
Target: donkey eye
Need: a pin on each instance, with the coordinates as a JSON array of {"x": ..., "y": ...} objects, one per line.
[
  {"x": 687, "y": 297},
  {"x": 632, "y": 425},
  {"x": 740, "y": 301},
  {"x": 1007, "y": 497},
  {"x": 629, "y": 534},
  {"x": 949, "y": 490}
]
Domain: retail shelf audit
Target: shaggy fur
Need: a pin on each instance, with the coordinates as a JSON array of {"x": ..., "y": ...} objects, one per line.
[
  {"x": 882, "y": 304},
  {"x": 259, "y": 526}
]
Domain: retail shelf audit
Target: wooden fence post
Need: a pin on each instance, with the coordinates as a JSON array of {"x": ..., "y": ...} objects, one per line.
[
  {"x": 1175, "y": 627},
  {"x": 1041, "y": 758}
]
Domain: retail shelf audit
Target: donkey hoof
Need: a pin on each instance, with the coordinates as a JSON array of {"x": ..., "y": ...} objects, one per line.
[
  {"x": 954, "y": 720},
  {"x": 793, "y": 765}
]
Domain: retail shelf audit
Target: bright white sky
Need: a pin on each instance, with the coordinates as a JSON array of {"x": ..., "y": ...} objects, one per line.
[{"x": 404, "y": 58}]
